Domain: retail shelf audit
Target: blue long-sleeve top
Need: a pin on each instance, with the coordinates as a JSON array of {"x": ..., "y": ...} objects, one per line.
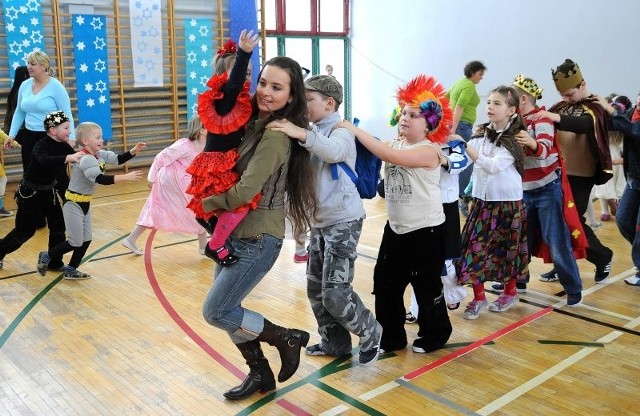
[{"x": 33, "y": 108}]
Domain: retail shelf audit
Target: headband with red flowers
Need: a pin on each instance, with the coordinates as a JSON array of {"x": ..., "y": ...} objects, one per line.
[
  {"x": 229, "y": 47},
  {"x": 428, "y": 95}
]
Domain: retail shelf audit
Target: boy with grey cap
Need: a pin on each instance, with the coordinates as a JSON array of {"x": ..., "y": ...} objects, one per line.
[{"x": 336, "y": 229}]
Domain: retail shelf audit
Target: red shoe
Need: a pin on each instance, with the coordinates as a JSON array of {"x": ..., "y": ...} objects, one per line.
[
  {"x": 605, "y": 217},
  {"x": 301, "y": 258}
]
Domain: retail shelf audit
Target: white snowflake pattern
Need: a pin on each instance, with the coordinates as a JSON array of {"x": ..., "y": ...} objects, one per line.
[
  {"x": 80, "y": 20},
  {"x": 33, "y": 5},
  {"x": 100, "y": 65},
  {"x": 80, "y": 46},
  {"x": 88, "y": 87},
  {"x": 36, "y": 36},
  {"x": 99, "y": 43},
  {"x": 96, "y": 23},
  {"x": 101, "y": 86},
  {"x": 83, "y": 67}
]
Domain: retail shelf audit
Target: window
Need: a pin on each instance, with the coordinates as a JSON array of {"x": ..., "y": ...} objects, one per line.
[{"x": 314, "y": 33}]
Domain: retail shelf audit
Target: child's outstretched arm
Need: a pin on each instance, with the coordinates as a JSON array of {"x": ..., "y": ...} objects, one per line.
[
  {"x": 423, "y": 156},
  {"x": 127, "y": 156},
  {"x": 134, "y": 175}
]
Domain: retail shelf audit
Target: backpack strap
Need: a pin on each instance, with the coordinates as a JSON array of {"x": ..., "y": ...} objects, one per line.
[{"x": 346, "y": 168}]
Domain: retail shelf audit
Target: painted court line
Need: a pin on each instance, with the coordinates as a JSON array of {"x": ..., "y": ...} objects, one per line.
[
  {"x": 182, "y": 324},
  {"x": 436, "y": 398},
  {"x": 552, "y": 372},
  {"x": 448, "y": 358}
]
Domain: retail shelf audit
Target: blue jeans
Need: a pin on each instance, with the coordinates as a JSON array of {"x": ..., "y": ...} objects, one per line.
[
  {"x": 464, "y": 130},
  {"x": 232, "y": 284},
  {"x": 544, "y": 213},
  {"x": 628, "y": 218}
]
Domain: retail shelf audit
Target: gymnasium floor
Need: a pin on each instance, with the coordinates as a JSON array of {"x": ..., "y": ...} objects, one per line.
[{"x": 132, "y": 340}]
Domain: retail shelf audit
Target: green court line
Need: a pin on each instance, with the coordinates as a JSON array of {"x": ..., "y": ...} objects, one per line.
[
  {"x": 578, "y": 343},
  {"x": 321, "y": 372},
  {"x": 465, "y": 344},
  {"x": 352, "y": 401},
  {"x": 23, "y": 313}
]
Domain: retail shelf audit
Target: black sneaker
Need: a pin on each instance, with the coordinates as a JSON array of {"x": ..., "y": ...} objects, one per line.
[
  {"x": 43, "y": 262},
  {"x": 602, "y": 273},
  {"x": 574, "y": 299},
  {"x": 521, "y": 287},
  {"x": 370, "y": 356},
  {"x": 550, "y": 276},
  {"x": 314, "y": 349}
]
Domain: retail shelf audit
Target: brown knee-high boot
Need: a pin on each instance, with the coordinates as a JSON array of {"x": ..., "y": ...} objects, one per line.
[
  {"x": 260, "y": 376},
  {"x": 288, "y": 342}
]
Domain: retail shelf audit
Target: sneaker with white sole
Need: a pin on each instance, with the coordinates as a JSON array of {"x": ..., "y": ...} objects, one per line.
[
  {"x": 5, "y": 213},
  {"x": 550, "y": 276},
  {"x": 132, "y": 247},
  {"x": 633, "y": 280},
  {"x": 574, "y": 299},
  {"x": 473, "y": 309},
  {"x": 504, "y": 303},
  {"x": 71, "y": 273},
  {"x": 602, "y": 273}
]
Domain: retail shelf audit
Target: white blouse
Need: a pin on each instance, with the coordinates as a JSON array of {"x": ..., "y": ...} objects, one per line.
[{"x": 495, "y": 177}]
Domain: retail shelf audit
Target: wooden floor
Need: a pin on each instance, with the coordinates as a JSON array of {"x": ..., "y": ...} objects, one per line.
[{"x": 132, "y": 340}]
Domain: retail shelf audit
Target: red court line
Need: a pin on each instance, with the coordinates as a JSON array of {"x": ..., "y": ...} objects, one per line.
[
  {"x": 177, "y": 318},
  {"x": 191, "y": 333},
  {"x": 292, "y": 408},
  {"x": 447, "y": 358}
]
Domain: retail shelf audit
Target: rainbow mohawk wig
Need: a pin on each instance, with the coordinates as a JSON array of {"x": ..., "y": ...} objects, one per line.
[{"x": 428, "y": 95}]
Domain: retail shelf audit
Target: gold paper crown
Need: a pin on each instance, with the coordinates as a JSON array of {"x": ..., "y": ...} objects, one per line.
[
  {"x": 528, "y": 85},
  {"x": 567, "y": 76}
]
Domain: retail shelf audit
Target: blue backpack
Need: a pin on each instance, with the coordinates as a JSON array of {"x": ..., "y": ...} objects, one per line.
[{"x": 367, "y": 174}]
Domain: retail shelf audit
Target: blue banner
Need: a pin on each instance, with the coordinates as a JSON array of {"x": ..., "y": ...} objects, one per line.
[
  {"x": 198, "y": 54},
  {"x": 92, "y": 70},
  {"x": 243, "y": 15},
  {"x": 24, "y": 29}
]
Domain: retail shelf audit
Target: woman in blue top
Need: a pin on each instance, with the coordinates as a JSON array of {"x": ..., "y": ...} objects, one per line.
[{"x": 38, "y": 96}]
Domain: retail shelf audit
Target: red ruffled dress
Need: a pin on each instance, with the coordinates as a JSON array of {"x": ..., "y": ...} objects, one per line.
[{"x": 212, "y": 171}]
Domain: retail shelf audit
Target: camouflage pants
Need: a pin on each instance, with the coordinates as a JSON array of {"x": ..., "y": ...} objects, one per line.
[{"x": 337, "y": 308}]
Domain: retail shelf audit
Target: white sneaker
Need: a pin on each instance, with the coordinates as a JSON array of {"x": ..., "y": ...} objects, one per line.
[{"x": 135, "y": 250}]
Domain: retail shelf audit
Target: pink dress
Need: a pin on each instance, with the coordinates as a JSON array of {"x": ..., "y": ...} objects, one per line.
[{"x": 166, "y": 206}]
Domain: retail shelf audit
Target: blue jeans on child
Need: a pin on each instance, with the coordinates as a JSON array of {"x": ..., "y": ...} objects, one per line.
[
  {"x": 232, "y": 284},
  {"x": 628, "y": 218},
  {"x": 544, "y": 212}
]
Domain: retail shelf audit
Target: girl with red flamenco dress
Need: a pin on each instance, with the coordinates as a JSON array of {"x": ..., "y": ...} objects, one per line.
[{"x": 224, "y": 110}]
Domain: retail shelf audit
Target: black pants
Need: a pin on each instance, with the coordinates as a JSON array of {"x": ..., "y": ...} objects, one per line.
[
  {"x": 416, "y": 257},
  {"x": 32, "y": 206},
  {"x": 597, "y": 253}
]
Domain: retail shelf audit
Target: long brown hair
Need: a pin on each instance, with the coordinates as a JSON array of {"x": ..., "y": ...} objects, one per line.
[{"x": 301, "y": 188}]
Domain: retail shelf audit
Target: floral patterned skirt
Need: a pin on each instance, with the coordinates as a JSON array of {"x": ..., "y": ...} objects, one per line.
[{"x": 494, "y": 243}]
